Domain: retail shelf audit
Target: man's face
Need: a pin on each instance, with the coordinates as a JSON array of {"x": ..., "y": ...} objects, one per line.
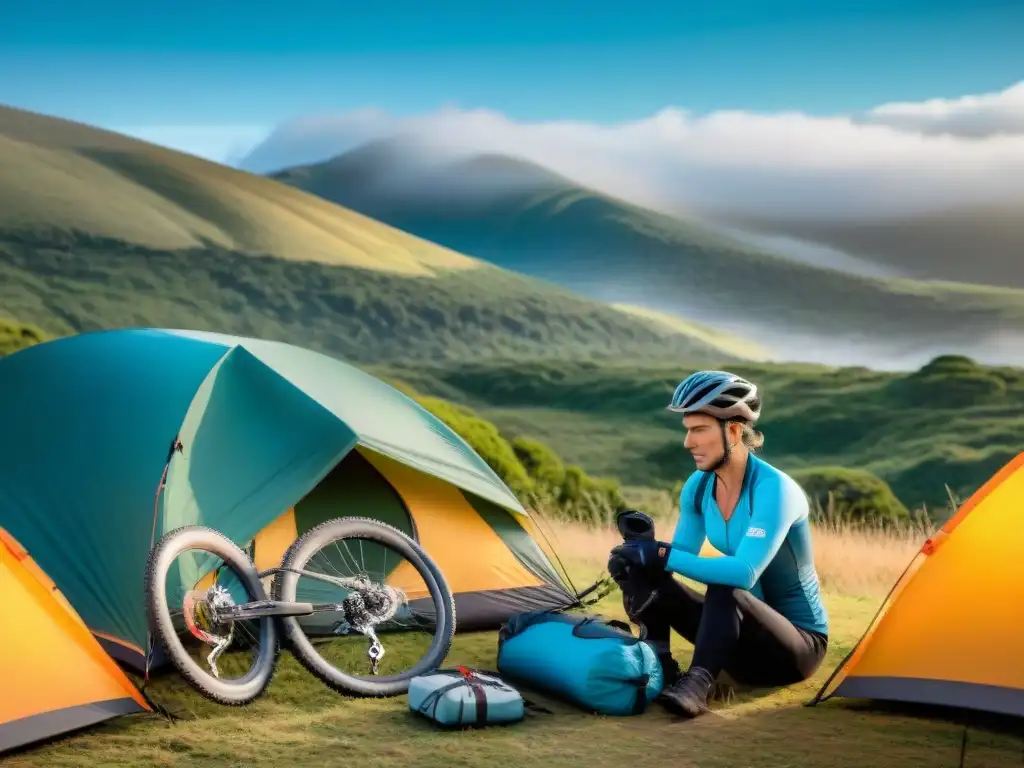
[{"x": 703, "y": 439}]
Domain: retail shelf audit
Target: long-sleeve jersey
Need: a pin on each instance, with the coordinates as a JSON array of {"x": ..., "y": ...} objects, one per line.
[{"x": 765, "y": 545}]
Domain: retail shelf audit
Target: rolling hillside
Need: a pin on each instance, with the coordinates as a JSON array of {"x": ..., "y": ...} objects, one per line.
[
  {"x": 951, "y": 422},
  {"x": 99, "y": 230},
  {"x": 981, "y": 245},
  {"x": 525, "y": 218}
]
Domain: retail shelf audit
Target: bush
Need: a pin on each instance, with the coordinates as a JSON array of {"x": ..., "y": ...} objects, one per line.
[
  {"x": 540, "y": 462},
  {"x": 588, "y": 499},
  {"x": 948, "y": 364},
  {"x": 484, "y": 438},
  {"x": 575, "y": 494},
  {"x": 962, "y": 470},
  {"x": 846, "y": 495},
  {"x": 15, "y": 336},
  {"x": 534, "y": 472},
  {"x": 950, "y": 381}
]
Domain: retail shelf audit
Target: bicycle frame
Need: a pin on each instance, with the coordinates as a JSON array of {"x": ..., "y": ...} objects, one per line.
[{"x": 257, "y": 609}]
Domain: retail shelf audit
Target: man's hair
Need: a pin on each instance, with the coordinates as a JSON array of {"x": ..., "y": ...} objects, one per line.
[{"x": 752, "y": 438}]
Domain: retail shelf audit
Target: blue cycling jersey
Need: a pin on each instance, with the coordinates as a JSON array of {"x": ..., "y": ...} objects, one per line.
[{"x": 765, "y": 545}]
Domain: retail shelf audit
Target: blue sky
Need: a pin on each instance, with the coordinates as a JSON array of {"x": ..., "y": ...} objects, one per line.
[{"x": 231, "y": 63}]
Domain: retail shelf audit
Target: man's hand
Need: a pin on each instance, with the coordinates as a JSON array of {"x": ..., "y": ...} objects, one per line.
[{"x": 644, "y": 555}]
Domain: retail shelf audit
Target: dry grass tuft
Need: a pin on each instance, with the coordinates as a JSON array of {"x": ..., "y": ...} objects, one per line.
[
  {"x": 863, "y": 563},
  {"x": 860, "y": 562}
]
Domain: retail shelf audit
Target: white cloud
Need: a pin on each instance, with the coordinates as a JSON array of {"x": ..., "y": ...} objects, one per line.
[
  {"x": 764, "y": 164},
  {"x": 980, "y": 116}
]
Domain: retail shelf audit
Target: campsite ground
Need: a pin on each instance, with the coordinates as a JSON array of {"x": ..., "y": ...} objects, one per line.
[{"x": 299, "y": 722}]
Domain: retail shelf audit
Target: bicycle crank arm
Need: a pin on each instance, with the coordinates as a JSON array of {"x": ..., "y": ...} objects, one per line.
[{"x": 260, "y": 608}]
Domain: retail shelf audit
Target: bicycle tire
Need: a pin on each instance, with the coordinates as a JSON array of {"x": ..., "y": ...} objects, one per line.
[
  {"x": 285, "y": 588},
  {"x": 172, "y": 544}
]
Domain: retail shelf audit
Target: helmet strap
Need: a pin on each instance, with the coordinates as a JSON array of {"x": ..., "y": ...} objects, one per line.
[{"x": 726, "y": 448}]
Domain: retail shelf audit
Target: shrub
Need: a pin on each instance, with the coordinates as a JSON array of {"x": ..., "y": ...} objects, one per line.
[
  {"x": 959, "y": 469},
  {"x": 950, "y": 381},
  {"x": 848, "y": 495},
  {"x": 534, "y": 472},
  {"x": 540, "y": 462},
  {"x": 588, "y": 499},
  {"x": 15, "y": 336},
  {"x": 484, "y": 438}
]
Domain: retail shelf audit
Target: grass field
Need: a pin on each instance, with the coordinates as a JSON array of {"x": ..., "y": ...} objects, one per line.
[
  {"x": 75, "y": 282},
  {"x": 299, "y": 722}
]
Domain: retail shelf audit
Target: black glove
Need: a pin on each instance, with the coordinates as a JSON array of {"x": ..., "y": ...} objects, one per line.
[
  {"x": 634, "y": 524},
  {"x": 646, "y": 555},
  {"x": 618, "y": 568}
]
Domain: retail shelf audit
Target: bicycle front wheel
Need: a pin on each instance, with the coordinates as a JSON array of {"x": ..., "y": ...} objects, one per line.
[{"x": 368, "y": 603}]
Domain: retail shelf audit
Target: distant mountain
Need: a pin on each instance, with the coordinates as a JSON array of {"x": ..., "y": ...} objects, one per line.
[
  {"x": 525, "y": 218},
  {"x": 98, "y": 230},
  {"x": 982, "y": 245}
]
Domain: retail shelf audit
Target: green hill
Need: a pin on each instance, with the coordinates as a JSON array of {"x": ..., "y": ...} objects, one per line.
[
  {"x": 525, "y": 218},
  {"x": 971, "y": 244},
  {"x": 98, "y": 230},
  {"x": 736, "y": 345},
  {"x": 951, "y": 422}
]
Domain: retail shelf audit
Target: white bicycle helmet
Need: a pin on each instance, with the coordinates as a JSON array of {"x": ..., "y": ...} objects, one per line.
[{"x": 720, "y": 394}]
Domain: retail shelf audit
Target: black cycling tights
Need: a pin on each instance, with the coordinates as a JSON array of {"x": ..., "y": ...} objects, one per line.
[{"x": 731, "y": 630}]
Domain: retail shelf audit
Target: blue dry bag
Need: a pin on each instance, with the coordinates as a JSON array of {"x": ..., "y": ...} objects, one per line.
[{"x": 587, "y": 660}]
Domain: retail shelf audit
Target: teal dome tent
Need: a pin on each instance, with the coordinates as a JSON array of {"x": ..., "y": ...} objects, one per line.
[{"x": 271, "y": 440}]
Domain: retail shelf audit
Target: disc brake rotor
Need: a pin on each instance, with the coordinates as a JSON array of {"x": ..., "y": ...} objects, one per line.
[{"x": 200, "y": 610}]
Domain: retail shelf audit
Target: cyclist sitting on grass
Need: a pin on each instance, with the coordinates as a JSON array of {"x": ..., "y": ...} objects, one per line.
[{"x": 761, "y": 619}]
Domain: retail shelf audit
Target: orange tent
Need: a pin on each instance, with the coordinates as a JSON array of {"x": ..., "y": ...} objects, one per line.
[
  {"x": 952, "y": 629},
  {"x": 56, "y": 678}
]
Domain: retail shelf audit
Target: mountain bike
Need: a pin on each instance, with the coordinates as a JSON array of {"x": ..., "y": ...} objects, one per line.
[{"x": 332, "y": 619}]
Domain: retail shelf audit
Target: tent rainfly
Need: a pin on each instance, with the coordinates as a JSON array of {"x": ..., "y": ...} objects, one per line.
[
  {"x": 951, "y": 631},
  {"x": 56, "y": 677}
]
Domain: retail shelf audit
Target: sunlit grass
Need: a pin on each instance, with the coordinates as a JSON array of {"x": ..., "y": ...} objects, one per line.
[{"x": 301, "y": 722}]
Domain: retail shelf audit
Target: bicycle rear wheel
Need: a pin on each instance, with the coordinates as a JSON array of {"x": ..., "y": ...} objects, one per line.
[
  {"x": 191, "y": 571},
  {"x": 324, "y": 642}
]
